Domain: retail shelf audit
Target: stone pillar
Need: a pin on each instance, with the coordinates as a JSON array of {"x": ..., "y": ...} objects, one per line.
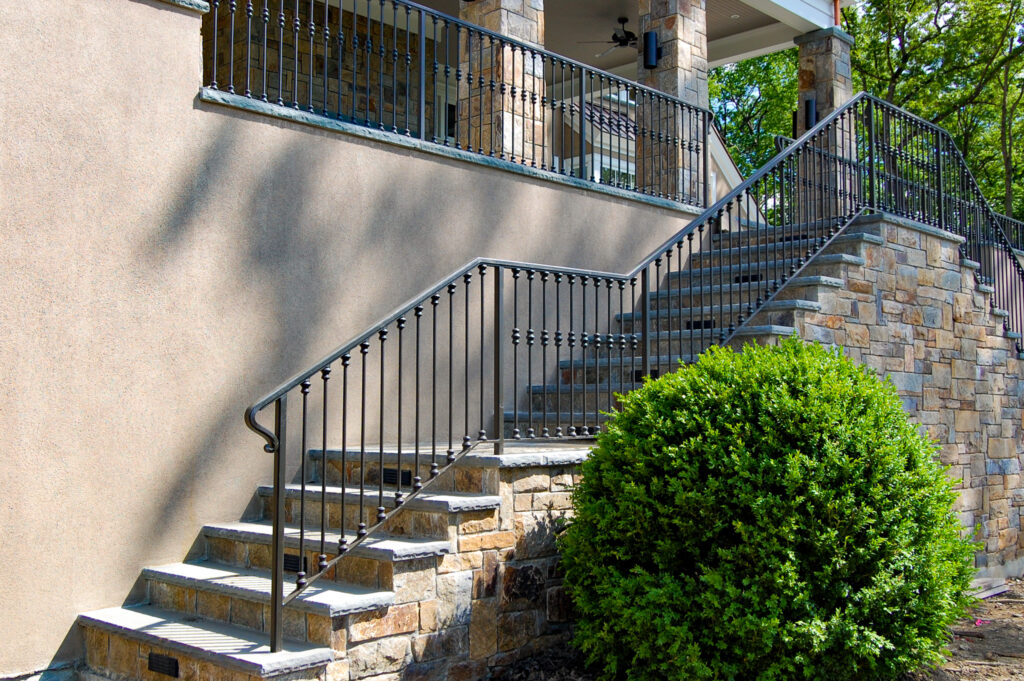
[
  {"x": 826, "y": 188},
  {"x": 824, "y": 72},
  {"x": 500, "y": 98},
  {"x": 669, "y": 155}
]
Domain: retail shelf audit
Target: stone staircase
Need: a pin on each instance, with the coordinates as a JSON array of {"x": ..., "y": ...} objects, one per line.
[
  {"x": 686, "y": 315},
  {"x": 462, "y": 579}
]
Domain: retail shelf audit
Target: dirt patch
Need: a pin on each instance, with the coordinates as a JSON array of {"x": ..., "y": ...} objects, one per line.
[{"x": 987, "y": 646}]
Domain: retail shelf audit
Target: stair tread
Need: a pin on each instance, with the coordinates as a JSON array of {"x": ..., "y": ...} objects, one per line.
[
  {"x": 541, "y": 457},
  {"x": 380, "y": 547},
  {"x": 325, "y": 597},
  {"x": 779, "y": 245},
  {"x": 816, "y": 280},
  {"x": 697, "y": 312},
  {"x": 744, "y": 267},
  {"x": 227, "y": 645},
  {"x": 452, "y": 502}
]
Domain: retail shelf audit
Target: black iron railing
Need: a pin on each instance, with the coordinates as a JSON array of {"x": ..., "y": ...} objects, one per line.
[
  {"x": 503, "y": 350},
  {"x": 400, "y": 67}
]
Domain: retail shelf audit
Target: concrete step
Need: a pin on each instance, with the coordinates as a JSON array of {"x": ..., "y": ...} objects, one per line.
[
  {"x": 802, "y": 287},
  {"x": 764, "y": 271},
  {"x": 348, "y": 469},
  {"x": 119, "y": 642},
  {"x": 555, "y": 421},
  {"x": 624, "y": 376},
  {"x": 426, "y": 515},
  {"x": 696, "y": 317},
  {"x": 750, "y": 251},
  {"x": 241, "y": 596}
]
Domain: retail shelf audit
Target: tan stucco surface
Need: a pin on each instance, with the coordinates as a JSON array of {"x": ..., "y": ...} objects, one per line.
[{"x": 165, "y": 261}]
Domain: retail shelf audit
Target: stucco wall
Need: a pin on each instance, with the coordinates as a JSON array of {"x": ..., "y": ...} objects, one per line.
[{"x": 166, "y": 260}]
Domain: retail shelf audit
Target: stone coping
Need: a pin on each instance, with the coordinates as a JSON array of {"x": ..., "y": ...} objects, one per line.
[
  {"x": 200, "y": 6},
  {"x": 314, "y": 120},
  {"x": 880, "y": 217},
  {"x": 822, "y": 33}
]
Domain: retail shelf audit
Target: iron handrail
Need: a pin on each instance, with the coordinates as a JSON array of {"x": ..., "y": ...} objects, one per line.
[{"x": 793, "y": 207}]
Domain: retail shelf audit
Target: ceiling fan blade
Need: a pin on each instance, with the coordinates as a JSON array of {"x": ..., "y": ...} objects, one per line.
[
  {"x": 593, "y": 42},
  {"x": 613, "y": 47}
]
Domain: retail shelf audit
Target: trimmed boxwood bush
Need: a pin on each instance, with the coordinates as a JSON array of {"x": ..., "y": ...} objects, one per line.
[{"x": 769, "y": 514}]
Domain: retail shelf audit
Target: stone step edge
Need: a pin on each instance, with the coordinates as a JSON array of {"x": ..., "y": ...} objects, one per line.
[
  {"x": 325, "y": 597},
  {"x": 773, "y": 306},
  {"x": 452, "y": 502},
  {"x": 742, "y": 250},
  {"x": 144, "y": 623},
  {"x": 718, "y": 270},
  {"x": 386, "y": 548},
  {"x": 795, "y": 282}
]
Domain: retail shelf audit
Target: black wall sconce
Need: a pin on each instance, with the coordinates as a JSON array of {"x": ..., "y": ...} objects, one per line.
[{"x": 652, "y": 50}]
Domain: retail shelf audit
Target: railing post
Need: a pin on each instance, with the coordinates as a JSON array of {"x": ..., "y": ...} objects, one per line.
[
  {"x": 940, "y": 194},
  {"x": 706, "y": 115},
  {"x": 499, "y": 361},
  {"x": 277, "y": 540},
  {"x": 872, "y": 171},
  {"x": 423, "y": 76},
  {"x": 645, "y": 315},
  {"x": 583, "y": 124}
]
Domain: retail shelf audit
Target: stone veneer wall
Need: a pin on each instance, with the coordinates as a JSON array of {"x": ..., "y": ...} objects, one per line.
[{"x": 915, "y": 313}]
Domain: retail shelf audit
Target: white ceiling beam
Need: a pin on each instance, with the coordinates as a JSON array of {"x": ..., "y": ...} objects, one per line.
[
  {"x": 752, "y": 43},
  {"x": 802, "y": 15}
]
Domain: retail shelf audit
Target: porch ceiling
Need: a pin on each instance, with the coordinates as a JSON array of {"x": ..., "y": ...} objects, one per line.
[{"x": 737, "y": 29}]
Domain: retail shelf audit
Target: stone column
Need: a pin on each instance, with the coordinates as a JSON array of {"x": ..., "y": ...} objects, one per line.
[
  {"x": 500, "y": 98},
  {"x": 824, "y": 72},
  {"x": 668, "y": 164},
  {"x": 825, "y": 183}
]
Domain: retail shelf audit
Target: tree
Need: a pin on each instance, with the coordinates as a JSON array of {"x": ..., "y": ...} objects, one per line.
[{"x": 752, "y": 102}]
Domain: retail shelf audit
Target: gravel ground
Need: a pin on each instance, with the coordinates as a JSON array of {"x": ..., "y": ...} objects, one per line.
[{"x": 987, "y": 646}]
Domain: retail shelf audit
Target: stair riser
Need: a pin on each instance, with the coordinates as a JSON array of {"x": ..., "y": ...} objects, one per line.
[
  {"x": 368, "y": 572},
  {"x": 113, "y": 656},
  {"x": 248, "y": 614},
  {"x": 455, "y": 481},
  {"x": 409, "y": 522},
  {"x": 760, "y": 236},
  {"x": 547, "y": 402}
]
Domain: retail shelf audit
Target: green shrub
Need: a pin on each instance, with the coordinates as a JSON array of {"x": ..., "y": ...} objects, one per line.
[{"x": 769, "y": 514}]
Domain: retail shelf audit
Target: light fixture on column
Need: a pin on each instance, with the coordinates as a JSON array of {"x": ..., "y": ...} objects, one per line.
[{"x": 652, "y": 50}]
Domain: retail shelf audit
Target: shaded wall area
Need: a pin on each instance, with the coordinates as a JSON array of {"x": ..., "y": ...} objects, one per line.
[{"x": 166, "y": 261}]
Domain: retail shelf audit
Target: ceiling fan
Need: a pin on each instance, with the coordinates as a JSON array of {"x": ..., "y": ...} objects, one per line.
[{"x": 621, "y": 37}]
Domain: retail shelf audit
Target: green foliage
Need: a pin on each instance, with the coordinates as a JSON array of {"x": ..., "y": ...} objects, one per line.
[
  {"x": 959, "y": 64},
  {"x": 766, "y": 515},
  {"x": 752, "y": 101}
]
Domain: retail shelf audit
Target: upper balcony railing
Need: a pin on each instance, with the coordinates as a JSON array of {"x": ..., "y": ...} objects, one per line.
[{"x": 399, "y": 67}]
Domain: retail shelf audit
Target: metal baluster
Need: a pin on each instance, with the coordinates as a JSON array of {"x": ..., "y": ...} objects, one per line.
[
  {"x": 325, "y": 375},
  {"x": 533, "y": 109},
  {"x": 382, "y": 337},
  {"x": 232, "y": 6},
  {"x": 609, "y": 340},
  {"x": 280, "y": 53},
  {"x": 544, "y": 345},
  {"x": 666, "y": 311},
  {"x": 584, "y": 346},
  {"x": 248, "y": 48},
  {"x": 300, "y": 577},
  {"x": 466, "y": 440},
  {"x": 215, "y": 6},
  {"x": 701, "y": 347},
  {"x": 394, "y": 73},
  {"x": 571, "y": 340},
  {"x": 327, "y": 54},
  {"x": 355, "y": 60},
  {"x": 312, "y": 58},
  {"x": 515, "y": 348},
  {"x": 364, "y": 347},
  {"x": 530, "y": 337},
  {"x": 381, "y": 53},
  {"x": 492, "y": 86},
  {"x": 434, "y": 300},
  {"x": 679, "y": 292},
  {"x": 368, "y": 49},
  {"x": 689, "y": 287},
  {"x": 342, "y": 540},
  {"x": 652, "y": 329},
  {"x": 277, "y": 536},
  {"x": 417, "y": 481},
  {"x": 622, "y": 339},
  {"x": 558, "y": 355},
  {"x": 265, "y": 16},
  {"x": 451, "y": 370},
  {"x": 341, "y": 63},
  {"x": 400, "y": 324},
  {"x": 296, "y": 25},
  {"x": 458, "y": 88},
  {"x": 523, "y": 96},
  {"x": 512, "y": 97},
  {"x": 633, "y": 340},
  {"x": 482, "y": 434}
]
